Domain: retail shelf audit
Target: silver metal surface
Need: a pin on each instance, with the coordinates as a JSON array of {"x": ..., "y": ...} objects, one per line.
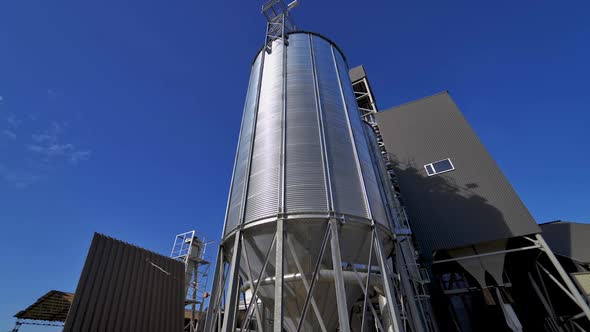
[
  {"x": 243, "y": 154},
  {"x": 279, "y": 273},
  {"x": 341, "y": 304},
  {"x": 229, "y": 318},
  {"x": 322, "y": 138},
  {"x": 303, "y": 163}
]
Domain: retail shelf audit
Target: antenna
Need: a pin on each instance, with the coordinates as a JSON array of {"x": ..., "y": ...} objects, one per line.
[{"x": 279, "y": 22}]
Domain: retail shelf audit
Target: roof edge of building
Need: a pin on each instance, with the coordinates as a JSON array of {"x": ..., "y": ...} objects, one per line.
[
  {"x": 417, "y": 100},
  {"x": 563, "y": 222}
]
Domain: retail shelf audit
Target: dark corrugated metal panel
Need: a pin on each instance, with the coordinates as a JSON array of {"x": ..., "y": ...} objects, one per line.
[
  {"x": 569, "y": 239},
  {"x": 475, "y": 202},
  {"x": 120, "y": 289}
]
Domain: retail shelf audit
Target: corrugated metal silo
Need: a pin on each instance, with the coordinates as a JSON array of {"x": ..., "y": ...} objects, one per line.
[
  {"x": 303, "y": 179},
  {"x": 301, "y": 147}
]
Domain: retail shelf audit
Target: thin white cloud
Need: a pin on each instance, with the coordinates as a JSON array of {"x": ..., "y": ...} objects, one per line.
[
  {"x": 44, "y": 138},
  {"x": 53, "y": 94},
  {"x": 12, "y": 121},
  {"x": 79, "y": 156},
  {"x": 57, "y": 127},
  {"x": 56, "y": 152},
  {"x": 19, "y": 179},
  {"x": 9, "y": 134},
  {"x": 41, "y": 154},
  {"x": 52, "y": 150}
]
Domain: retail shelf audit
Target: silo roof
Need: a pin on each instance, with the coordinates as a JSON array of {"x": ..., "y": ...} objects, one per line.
[{"x": 311, "y": 33}]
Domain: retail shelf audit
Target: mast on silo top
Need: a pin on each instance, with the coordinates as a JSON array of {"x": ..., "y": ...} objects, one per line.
[{"x": 279, "y": 23}]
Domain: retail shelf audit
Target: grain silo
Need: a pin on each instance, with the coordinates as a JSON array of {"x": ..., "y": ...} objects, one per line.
[{"x": 308, "y": 233}]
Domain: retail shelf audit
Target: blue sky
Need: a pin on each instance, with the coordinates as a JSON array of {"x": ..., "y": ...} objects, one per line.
[{"x": 122, "y": 117}]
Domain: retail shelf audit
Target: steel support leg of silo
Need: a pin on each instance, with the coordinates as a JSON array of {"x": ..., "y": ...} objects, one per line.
[
  {"x": 314, "y": 305},
  {"x": 314, "y": 277},
  {"x": 231, "y": 300},
  {"x": 215, "y": 291},
  {"x": 573, "y": 290},
  {"x": 546, "y": 304},
  {"x": 387, "y": 285},
  {"x": 279, "y": 271},
  {"x": 253, "y": 300},
  {"x": 366, "y": 288},
  {"x": 338, "y": 278}
]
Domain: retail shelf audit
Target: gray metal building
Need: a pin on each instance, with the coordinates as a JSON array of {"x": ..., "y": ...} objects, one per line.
[
  {"x": 469, "y": 200},
  {"x": 488, "y": 261},
  {"x": 570, "y": 240}
]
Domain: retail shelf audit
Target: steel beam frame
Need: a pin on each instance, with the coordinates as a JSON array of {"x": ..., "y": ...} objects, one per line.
[
  {"x": 564, "y": 282},
  {"x": 314, "y": 278},
  {"x": 279, "y": 22},
  {"x": 493, "y": 253},
  {"x": 362, "y": 93},
  {"x": 338, "y": 279},
  {"x": 314, "y": 306},
  {"x": 569, "y": 288},
  {"x": 228, "y": 292},
  {"x": 258, "y": 282}
]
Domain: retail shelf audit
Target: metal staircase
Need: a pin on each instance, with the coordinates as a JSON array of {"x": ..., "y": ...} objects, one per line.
[{"x": 412, "y": 278}]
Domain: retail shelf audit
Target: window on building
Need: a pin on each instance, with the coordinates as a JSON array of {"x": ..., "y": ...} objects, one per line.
[
  {"x": 429, "y": 169},
  {"x": 438, "y": 167}
]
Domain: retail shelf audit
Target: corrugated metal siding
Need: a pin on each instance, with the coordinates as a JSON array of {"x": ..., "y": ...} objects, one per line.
[
  {"x": 346, "y": 185},
  {"x": 322, "y": 136},
  {"x": 362, "y": 147},
  {"x": 475, "y": 202},
  {"x": 243, "y": 153},
  {"x": 306, "y": 189},
  {"x": 263, "y": 188},
  {"x": 119, "y": 290},
  {"x": 382, "y": 177}
]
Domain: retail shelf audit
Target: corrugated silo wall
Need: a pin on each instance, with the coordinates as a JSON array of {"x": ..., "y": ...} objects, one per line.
[
  {"x": 301, "y": 129},
  {"x": 126, "y": 288}
]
